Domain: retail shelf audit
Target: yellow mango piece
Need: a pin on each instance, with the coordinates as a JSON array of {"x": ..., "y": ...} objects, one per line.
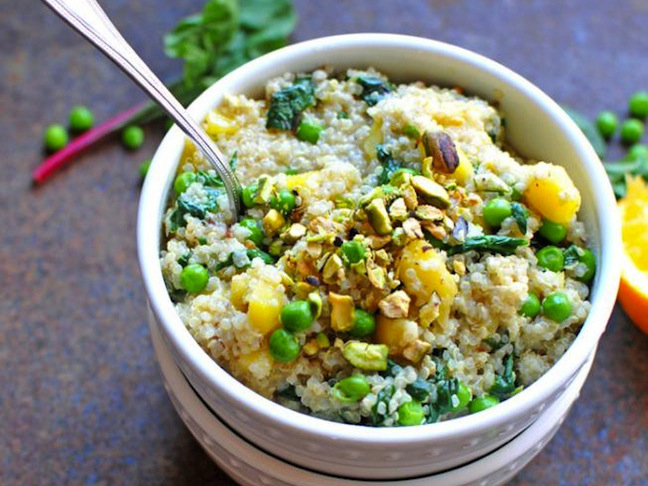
[
  {"x": 422, "y": 271},
  {"x": 397, "y": 334},
  {"x": 238, "y": 289},
  {"x": 217, "y": 124},
  {"x": 300, "y": 180},
  {"x": 464, "y": 171},
  {"x": 188, "y": 149},
  {"x": 552, "y": 193},
  {"x": 264, "y": 306},
  {"x": 374, "y": 138},
  {"x": 258, "y": 362}
]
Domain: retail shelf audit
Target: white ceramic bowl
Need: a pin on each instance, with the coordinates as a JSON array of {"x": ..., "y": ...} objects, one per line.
[
  {"x": 536, "y": 127},
  {"x": 250, "y": 466}
]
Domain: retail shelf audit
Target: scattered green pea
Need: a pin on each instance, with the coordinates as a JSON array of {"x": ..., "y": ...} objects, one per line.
[
  {"x": 81, "y": 119},
  {"x": 551, "y": 258},
  {"x": 284, "y": 346},
  {"x": 353, "y": 251},
  {"x": 531, "y": 306},
  {"x": 252, "y": 225},
  {"x": 607, "y": 123},
  {"x": 183, "y": 181},
  {"x": 364, "y": 324},
  {"x": 309, "y": 131},
  {"x": 284, "y": 202},
  {"x": 351, "y": 389},
  {"x": 556, "y": 306},
  {"x": 194, "y": 278},
  {"x": 297, "y": 316},
  {"x": 638, "y": 151},
  {"x": 638, "y": 104},
  {"x": 133, "y": 137},
  {"x": 248, "y": 194},
  {"x": 480, "y": 404},
  {"x": 464, "y": 396},
  {"x": 55, "y": 138},
  {"x": 497, "y": 210},
  {"x": 553, "y": 232},
  {"x": 411, "y": 413},
  {"x": 631, "y": 131}
]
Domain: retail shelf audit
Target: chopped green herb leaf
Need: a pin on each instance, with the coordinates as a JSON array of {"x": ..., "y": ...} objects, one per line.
[
  {"x": 505, "y": 245},
  {"x": 373, "y": 89},
  {"x": 390, "y": 166},
  {"x": 520, "y": 214},
  {"x": 287, "y": 105}
]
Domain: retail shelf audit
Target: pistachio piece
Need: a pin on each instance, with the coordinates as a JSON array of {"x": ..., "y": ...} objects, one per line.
[
  {"x": 365, "y": 356},
  {"x": 410, "y": 198},
  {"x": 426, "y": 212},
  {"x": 430, "y": 311},
  {"x": 412, "y": 228},
  {"x": 310, "y": 348},
  {"x": 377, "y": 277},
  {"x": 302, "y": 289},
  {"x": 400, "y": 178},
  {"x": 488, "y": 182},
  {"x": 416, "y": 350},
  {"x": 378, "y": 217},
  {"x": 431, "y": 192},
  {"x": 439, "y": 232},
  {"x": 342, "y": 311},
  {"x": 383, "y": 258},
  {"x": 376, "y": 242},
  {"x": 322, "y": 340},
  {"x": 398, "y": 209},
  {"x": 441, "y": 153},
  {"x": 295, "y": 232},
  {"x": 331, "y": 268},
  {"x": 273, "y": 221},
  {"x": 315, "y": 301},
  {"x": 395, "y": 305},
  {"x": 386, "y": 192},
  {"x": 266, "y": 187}
]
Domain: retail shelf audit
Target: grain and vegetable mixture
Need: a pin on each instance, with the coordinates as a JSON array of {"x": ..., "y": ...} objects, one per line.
[{"x": 396, "y": 264}]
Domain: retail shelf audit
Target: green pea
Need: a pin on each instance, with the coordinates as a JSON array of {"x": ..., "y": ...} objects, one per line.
[
  {"x": 194, "y": 278},
  {"x": 556, "y": 306},
  {"x": 144, "y": 168},
  {"x": 638, "y": 151},
  {"x": 411, "y": 413},
  {"x": 284, "y": 202},
  {"x": 252, "y": 225},
  {"x": 364, "y": 324},
  {"x": 553, "y": 232},
  {"x": 55, "y": 138},
  {"x": 248, "y": 194},
  {"x": 638, "y": 104},
  {"x": 284, "y": 346},
  {"x": 589, "y": 260},
  {"x": 607, "y": 124},
  {"x": 297, "y": 316},
  {"x": 480, "y": 404},
  {"x": 351, "y": 389},
  {"x": 353, "y": 251},
  {"x": 551, "y": 258},
  {"x": 81, "y": 119},
  {"x": 464, "y": 395},
  {"x": 309, "y": 131},
  {"x": 497, "y": 210},
  {"x": 183, "y": 181},
  {"x": 631, "y": 131},
  {"x": 530, "y": 307},
  {"x": 133, "y": 137}
]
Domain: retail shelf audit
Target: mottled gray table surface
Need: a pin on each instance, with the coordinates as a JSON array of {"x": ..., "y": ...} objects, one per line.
[{"x": 81, "y": 399}]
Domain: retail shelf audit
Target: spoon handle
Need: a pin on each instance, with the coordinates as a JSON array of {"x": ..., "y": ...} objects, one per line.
[{"x": 88, "y": 18}]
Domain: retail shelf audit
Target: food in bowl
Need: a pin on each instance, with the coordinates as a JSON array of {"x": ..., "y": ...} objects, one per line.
[{"x": 396, "y": 264}]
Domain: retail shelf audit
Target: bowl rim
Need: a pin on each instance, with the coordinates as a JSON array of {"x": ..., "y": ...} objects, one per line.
[{"x": 153, "y": 199}]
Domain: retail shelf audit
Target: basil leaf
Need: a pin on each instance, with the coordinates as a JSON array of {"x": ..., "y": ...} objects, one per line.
[{"x": 287, "y": 105}]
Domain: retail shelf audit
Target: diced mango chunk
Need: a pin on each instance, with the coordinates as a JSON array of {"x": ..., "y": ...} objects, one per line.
[
  {"x": 258, "y": 363},
  {"x": 238, "y": 290},
  {"x": 217, "y": 124},
  {"x": 464, "y": 171},
  {"x": 423, "y": 271},
  {"x": 374, "y": 138},
  {"x": 300, "y": 180},
  {"x": 397, "y": 334},
  {"x": 552, "y": 193},
  {"x": 264, "y": 306}
]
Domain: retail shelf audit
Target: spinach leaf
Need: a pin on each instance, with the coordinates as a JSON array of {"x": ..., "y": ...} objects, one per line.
[
  {"x": 184, "y": 259},
  {"x": 384, "y": 396},
  {"x": 251, "y": 254},
  {"x": 185, "y": 206},
  {"x": 373, "y": 89},
  {"x": 520, "y": 214},
  {"x": 419, "y": 389},
  {"x": 572, "y": 256},
  {"x": 589, "y": 129},
  {"x": 505, "y": 245},
  {"x": 287, "y": 105},
  {"x": 389, "y": 165},
  {"x": 393, "y": 368},
  {"x": 504, "y": 385}
]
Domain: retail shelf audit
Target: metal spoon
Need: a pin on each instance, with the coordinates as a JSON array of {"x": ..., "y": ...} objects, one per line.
[{"x": 88, "y": 18}]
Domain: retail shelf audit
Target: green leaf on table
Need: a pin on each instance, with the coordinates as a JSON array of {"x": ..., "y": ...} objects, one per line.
[{"x": 588, "y": 127}]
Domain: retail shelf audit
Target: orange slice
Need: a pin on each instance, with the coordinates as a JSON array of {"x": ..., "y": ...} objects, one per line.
[{"x": 633, "y": 292}]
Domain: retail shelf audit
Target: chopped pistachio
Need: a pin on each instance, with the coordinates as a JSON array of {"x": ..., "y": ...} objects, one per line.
[
  {"x": 439, "y": 232},
  {"x": 294, "y": 233},
  {"x": 428, "y": 213},
  {"x": 386, "y": 192},
  {"x": 398, "y": 237},
  {"x": 302, "y": 289},
  {"x": 459, "y": 267},
  {"x": 398, "y": 209},
  {"x": 410, "y": 197},
  {"x": 377, "y": 242},
  {"x": 275, "y": 247},
  {"x": 315, "y": 301},
  {"x": 400, "y": 177},
  {"x": 286, "y": 280},
  {"x": 273, "y": 221},
  {"x": 314, "y": 249},
  {"x": 365, "y": 356},
  {"x": 383, "y": 258},
  {"x": 441, "y": 153},
  {"x": 395, "y": 305},
  {"x": 412, "y": 228},
  {"x": 264, "y": 194},
  {"x": 416, "y": 350},
  {"x": 431, "y": 192},
  {"x": 331, "y": 268},
  {"x": 377, "y": 277},
  {"x": 342, "y": 312},
  {"x": 430, "y": 311},
  {"x": 378, "y": 217},
  {"x": 310, "y": 348},
  {"x": 491, "y": 183},
  {"x": 322, "y": 340},
  {"x": 343, "y": 202}
]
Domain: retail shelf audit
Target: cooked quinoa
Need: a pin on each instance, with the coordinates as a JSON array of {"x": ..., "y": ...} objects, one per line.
[{"x": 397, "y": 264}]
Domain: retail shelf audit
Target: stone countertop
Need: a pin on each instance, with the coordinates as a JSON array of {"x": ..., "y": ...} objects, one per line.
[{"x": 82, "y": 401}]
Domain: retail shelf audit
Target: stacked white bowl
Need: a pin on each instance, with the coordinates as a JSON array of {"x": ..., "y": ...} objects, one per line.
[{"x": 537, "y": 128}]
